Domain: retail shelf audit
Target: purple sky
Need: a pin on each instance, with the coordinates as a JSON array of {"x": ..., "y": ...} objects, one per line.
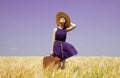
[{"x": 26, "y": 26}]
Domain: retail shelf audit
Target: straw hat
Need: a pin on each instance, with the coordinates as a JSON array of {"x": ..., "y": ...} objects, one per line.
[{"x": 64, "y": 15}]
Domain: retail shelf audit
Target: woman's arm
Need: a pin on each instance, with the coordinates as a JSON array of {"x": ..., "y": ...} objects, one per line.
[
  {"x": 53, "y": 39},
  {"x": 72, "y": 26}
]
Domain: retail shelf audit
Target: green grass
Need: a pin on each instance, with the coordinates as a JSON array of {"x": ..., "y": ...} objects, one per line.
[{"x": 76, "y": 67}]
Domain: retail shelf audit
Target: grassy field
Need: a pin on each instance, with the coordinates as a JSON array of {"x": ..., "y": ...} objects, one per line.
[{"x": 76, "y": 67}]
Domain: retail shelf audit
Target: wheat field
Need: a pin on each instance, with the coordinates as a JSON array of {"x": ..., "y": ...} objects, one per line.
[{"x": 76, "y": 67}]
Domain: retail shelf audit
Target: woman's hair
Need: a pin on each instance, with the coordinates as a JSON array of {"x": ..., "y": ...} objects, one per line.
[{"x": 64, "y": 27}]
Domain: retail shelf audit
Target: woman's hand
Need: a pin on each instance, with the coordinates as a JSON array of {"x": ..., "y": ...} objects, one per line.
[
  {"x": 72, "y": 24},
  {"x": 51, "y": 54}
]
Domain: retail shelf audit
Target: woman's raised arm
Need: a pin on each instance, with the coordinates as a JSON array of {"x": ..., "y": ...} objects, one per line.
[{"x": 72, "y": 26}]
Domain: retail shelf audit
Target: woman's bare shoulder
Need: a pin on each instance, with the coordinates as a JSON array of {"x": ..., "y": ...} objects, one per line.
[{"x": 54, "y": 29}]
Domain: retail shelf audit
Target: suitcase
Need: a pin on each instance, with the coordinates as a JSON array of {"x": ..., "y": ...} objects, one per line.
[{"x": 51, "y": 62}]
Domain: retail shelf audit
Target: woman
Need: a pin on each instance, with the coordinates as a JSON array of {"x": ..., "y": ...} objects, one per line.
[{"x": 60, "y": 48}]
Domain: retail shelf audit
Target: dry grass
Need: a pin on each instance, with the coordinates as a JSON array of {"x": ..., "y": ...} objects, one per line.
[{"x": 76, "y": 67}]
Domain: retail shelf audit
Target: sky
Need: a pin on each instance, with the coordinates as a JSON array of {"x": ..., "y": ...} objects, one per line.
[{"x": 26, "y": 26}]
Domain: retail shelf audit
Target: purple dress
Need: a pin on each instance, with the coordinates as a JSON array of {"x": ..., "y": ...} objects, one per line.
[{"x": 61, "y": 48}]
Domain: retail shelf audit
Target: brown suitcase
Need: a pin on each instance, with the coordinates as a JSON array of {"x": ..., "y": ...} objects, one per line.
[{"x": 51, "y": 62}]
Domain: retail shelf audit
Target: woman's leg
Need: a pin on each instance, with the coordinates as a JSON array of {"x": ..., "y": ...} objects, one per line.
[{"x": 63, "y": 64}]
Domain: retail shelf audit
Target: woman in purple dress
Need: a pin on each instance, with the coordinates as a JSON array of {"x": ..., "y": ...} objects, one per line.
[{"x": 60, "y": 48}]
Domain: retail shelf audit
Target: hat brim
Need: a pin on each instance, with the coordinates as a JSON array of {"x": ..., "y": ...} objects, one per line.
[{"x": 64, "y": 15}]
